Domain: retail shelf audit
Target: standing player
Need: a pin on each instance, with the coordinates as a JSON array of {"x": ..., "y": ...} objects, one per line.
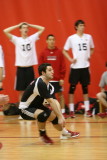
[
  {"x": 25, "y": 54},
  {"x": 32, "y": 107},
  {"x": 54, "y": 56},
  {"x": 82, "y": 48}
]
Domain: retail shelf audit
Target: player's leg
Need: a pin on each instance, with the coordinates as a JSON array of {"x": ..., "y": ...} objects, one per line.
[
  {"x": 42, "y": 116},
  {"x": 102, "y": 97},
  {"x": 85, "y": 81},
  {"x": 62, "y": 103},
  {"x": 73, "y": 80},
  {"x": 65, "y": 134}
]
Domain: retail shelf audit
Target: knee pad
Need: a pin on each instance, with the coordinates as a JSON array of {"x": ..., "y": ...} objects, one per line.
[
  {"x": 42, "y": 117},
  {"x": 84, "y": 89},
  {"x": 55, "y": 121},
  {"x": 72, "y": 89}
]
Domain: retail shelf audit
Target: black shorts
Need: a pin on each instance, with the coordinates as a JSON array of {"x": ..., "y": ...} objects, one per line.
[
  {"x": 57, "y": 87},
  {"x": 24, "y": 76},
  {"x": 81, "y": 75},
  {"x": 28, "y": 113}
]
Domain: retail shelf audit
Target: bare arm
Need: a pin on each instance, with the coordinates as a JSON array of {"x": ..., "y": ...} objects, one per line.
[
  {"x": 56, "y": 108},
  {"x": 39, "y": 28},
  {"x": 68, "y": 56},
  {"x": 8, "y": 30},
  {"x": 1, "y": 77},
  {"x": 4, "y": 99},
  {"x": 91, "y": 51}
]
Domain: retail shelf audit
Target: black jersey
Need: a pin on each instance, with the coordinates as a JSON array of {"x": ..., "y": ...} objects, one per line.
[{"x": 35, "y": 94}]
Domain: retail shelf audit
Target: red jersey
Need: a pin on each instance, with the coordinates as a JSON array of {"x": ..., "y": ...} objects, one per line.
[{"x": 56, "y": 59}]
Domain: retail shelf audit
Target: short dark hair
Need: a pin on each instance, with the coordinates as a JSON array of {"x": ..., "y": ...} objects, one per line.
[
  {"x": 49, "y": 35},
  {"x": 43, "y": 67},
  {"x": 78, "y": 22},
  {"x": 106, "y": 64},
  {"x": 23, "y": 24}
]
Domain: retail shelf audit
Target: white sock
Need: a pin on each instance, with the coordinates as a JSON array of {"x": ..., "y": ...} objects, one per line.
[
  {"x": 71, "y": 107},
  {"x": 86, "y": 104},
  {"x": 64, "y": 131},
  {"x": 63, "y": 110}
]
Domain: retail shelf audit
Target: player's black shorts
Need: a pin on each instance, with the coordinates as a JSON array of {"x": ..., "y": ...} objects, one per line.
[
  {"x": 81, "y": 75},
  {"x": 28, "y": 113},
  {"x": 57, "y": 87},
  {"x": 24, "y": 76}
]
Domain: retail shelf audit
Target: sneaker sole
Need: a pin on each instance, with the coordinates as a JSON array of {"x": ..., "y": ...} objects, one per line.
[
  {"x": 75, "y": 135},
  {"x": 68, "y": 137},
  {"x": 88, "y": 115}
]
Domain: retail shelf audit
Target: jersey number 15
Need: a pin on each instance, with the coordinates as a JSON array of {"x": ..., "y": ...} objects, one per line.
[{"x": 82, "y": 46}]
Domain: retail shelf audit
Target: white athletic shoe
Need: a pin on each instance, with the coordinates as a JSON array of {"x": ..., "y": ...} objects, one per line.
[{"x": 69, "y": 134}]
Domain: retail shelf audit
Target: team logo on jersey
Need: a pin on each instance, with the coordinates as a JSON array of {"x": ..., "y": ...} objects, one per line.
[{"x": 52, "y": 58}]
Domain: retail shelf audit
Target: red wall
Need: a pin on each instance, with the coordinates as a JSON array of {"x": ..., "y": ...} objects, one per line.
[{"x": 58, "y": 16}]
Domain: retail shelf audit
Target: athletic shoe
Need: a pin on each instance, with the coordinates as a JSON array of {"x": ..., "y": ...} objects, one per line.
[
  {"x": 65, "y": 115},
  {"x": 88, "y": 113},
  {"x": 46, "y": 139},
  {"x": 72, "y": 115},
  {"x": 102, "y": 115},
  {"x": 69, "y": 134}
]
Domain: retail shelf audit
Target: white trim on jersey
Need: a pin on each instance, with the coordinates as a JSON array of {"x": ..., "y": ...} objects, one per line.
[
  {"x": 36, "y": 88},
  {"x": 34, "y": 92},
  {"x": 28, "y": 113},
  {"x": 52, "y": 90}
]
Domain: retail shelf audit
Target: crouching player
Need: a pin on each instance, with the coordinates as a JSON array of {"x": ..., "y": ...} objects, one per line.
[{"x": 32, "y": 107}]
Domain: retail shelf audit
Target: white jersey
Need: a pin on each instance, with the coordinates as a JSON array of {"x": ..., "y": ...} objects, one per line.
[
  {"x": 1, "y": 57},
  {"x": 25, "y": 50},
  {"x": 80, "y": 49},
  {"x": 2, "y": 60}
]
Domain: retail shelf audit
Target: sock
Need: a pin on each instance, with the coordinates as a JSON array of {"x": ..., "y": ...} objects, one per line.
[
  {"x": 71, "y": 107},
  {"x": 42, "y": 132},
  {"x": 63, "y": 110},
  {"x": 64, "y": 131},
  {"x": 86, "y": 103}
]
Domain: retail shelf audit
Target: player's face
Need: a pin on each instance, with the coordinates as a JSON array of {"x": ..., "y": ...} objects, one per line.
[
  {"x": 51, "y": 42},
  {"x": 24, "y": 29},
  {"x": 49, "y": 73},
  {"x": 80, "y": 27}
]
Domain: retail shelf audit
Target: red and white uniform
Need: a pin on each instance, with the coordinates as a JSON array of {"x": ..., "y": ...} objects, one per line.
[{"x": 56, "y": 59}]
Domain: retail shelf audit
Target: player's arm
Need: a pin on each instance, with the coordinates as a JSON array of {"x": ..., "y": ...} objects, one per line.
[
  {"x": 56, "y": 108},
  {"x": 39, "y": 28},
  {"x": 1, "y": 77},
  {"x": 91, "y": 51},
  {"x": 8, "y": 30},
  {"x": 65, "y": 52}
]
